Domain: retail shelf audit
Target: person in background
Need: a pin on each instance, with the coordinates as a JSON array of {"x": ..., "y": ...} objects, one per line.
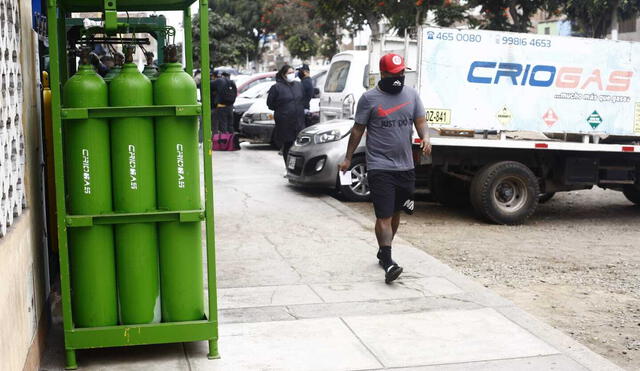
[
  {"x": 307, "y": 87},
  {"x": 286, "y": 99},
  {"x": 223, "y": 96}
]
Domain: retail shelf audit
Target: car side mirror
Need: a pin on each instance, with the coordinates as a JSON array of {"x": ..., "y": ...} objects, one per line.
[{"x": 316, "y": 93}]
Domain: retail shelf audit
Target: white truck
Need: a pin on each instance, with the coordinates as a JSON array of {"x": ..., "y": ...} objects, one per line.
[{"x": 517, "y": 117}]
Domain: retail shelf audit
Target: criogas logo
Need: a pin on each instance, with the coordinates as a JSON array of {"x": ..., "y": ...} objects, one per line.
[
  {"x": 133, "y": 173},
  {"x": 180, "y": 164},
  {"x": 86, "y": 172}
]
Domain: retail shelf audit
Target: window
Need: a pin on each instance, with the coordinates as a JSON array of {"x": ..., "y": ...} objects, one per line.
[
  {"x": 547, "y": 30},
  {"x": 337, "y": 77}
]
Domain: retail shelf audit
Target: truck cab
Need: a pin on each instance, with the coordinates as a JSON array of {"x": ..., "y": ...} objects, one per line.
[{"x": 346, "y": 80}]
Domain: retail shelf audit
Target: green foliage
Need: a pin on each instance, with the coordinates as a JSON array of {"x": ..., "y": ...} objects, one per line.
[
  {"x": 592, "y": 18},
  {"x": 410, "y": 14},
  {"x": 295, "y": 22},
  {"x": 510, "y": 15},
  {"x": 352, "y": 15},
  {"x": 228, "y": 44},
  {"x": 303, "y": 47}
]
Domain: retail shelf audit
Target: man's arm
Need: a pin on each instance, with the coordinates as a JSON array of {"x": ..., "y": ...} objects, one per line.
[
  {"x": 423, "y": 132},
  {"x": 356, "y": 135}
]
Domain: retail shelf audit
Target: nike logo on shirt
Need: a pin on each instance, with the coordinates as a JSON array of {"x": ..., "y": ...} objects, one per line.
[{"x": 386, "y": 112}]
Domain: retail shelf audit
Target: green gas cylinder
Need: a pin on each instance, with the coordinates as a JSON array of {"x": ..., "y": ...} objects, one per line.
[
  {"x": 88, "y": 183},
  {"x": 134, "y": 191},
  {"x": 178, "y": 187}
]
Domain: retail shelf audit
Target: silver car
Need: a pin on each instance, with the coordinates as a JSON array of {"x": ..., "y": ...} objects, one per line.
[{"x": 313, "y": 159}]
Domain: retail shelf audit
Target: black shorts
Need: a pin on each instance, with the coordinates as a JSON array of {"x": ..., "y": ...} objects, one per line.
[{"x": 392, "y": 191}]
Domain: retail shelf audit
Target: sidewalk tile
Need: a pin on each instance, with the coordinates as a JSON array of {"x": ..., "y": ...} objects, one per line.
[
  {"x": 249, "y": 297},
  {"x": 378, "y": 290},
  {"x": 546, "y": 363},
  {"x": 430, "y": 338},
  {"x": 317, "y": 344}
]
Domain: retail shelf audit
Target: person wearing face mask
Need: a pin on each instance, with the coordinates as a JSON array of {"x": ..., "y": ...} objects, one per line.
[
  {"x": 286, "y": 100},
  {"x": 307, "y": 87},
  {"x": 388, "y": 113}
]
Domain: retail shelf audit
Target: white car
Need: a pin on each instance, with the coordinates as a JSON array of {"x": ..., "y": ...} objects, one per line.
[{"x": 246, "y": 99}]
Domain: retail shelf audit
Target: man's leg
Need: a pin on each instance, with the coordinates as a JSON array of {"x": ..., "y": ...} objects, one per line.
[
  {"x": 395, "y": 222},
  {"x": 384, "y": 231}
]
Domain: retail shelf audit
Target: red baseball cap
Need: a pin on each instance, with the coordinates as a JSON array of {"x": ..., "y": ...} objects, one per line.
[{"x": 392, "y": 63}]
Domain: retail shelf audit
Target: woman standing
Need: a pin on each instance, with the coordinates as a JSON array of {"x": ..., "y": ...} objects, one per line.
[{"x": 286, "y": 100}]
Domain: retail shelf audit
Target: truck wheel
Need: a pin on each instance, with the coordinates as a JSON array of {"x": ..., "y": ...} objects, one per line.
[
  {"x": 450, "y": 191},
  {"x": 505, "y": 192},
  {"x": 632, "y": 193},
  {"x": 359, "y": 190},
  {"x": 544, "y": 197}
]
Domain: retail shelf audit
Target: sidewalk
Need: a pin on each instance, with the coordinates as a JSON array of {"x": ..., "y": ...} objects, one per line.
[{"x": 300, "y": 289}]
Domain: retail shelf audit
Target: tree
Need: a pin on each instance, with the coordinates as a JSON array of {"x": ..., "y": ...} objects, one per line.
[
  {"x": 247, "y": 12},
  {"x": 228, "y": 44},
  {"x": 354, "y": 14},
  {"x": 511, "y": 15},
  {"x": 411, "y": 14},
  {"x": 295, "y": 22},
  {"x": 592, "y": 18}
]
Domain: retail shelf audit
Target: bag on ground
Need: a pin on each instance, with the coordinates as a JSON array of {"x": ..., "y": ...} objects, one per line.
[{"x": 226, "y": 142}]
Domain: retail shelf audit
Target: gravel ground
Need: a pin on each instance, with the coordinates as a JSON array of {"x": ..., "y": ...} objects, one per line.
[{"x": 575, "y": 264}]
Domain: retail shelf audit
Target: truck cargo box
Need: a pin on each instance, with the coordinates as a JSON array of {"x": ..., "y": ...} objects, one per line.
[{"x": 488, "y": 80}]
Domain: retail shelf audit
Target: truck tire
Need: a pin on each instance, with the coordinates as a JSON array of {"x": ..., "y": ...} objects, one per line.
[
  {"x": 632, "y": 193},
  {"x": 359, "y": 191},
  {"x": 450, "y": 191},
  {"x": 505, "y": 192},
  {"x": 544, "y": 197}
]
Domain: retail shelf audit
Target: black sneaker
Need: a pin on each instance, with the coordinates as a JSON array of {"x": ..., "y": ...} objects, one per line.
[{"x": 392, "y": 272}]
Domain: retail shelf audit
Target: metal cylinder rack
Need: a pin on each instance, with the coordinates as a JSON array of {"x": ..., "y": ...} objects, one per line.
[{"x": 134, "y": 241}]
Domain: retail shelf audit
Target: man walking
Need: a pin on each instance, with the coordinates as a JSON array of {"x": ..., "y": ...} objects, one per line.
[
  {"x": 388, "y": 113},
  {"x": 223, "y": 96}
]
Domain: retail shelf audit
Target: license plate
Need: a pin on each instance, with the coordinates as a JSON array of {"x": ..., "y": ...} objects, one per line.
[{"x": 292, "y": 163}]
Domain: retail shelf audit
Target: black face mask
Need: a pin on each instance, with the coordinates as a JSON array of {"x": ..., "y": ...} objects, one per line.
[{"x": 391, "y": 85}]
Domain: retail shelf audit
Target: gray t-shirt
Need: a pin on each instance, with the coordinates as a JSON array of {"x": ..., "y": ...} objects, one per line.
[{"x": 389, "y": 120}]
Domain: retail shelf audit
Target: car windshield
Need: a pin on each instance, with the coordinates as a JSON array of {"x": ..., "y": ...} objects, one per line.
[{"x": 337, "y": 77}]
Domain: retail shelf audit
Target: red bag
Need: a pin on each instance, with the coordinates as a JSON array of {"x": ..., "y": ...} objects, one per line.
[{"x": 225, "y": 142}]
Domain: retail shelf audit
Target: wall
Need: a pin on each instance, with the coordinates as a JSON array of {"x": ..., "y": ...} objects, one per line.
[{"x": 21, "y": 255}]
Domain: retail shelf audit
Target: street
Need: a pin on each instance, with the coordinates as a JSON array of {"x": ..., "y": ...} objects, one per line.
[{"x": 574, "y": 264}]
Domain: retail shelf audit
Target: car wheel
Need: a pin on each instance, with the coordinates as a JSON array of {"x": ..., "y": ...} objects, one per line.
[
  {"x": 632, "y": 193},
  {"x": 505, "y": 192},
  {"x": 359, "y": 190}
]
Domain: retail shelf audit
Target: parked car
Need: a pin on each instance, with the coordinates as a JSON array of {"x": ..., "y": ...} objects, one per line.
[
  {"x": 246, "y": 99},
  {"x": 245, "y": 82},
  {"x": 257, "y": 123},
  {"x": 347, "y": 79},
  {"x": 314, "y": 157}
]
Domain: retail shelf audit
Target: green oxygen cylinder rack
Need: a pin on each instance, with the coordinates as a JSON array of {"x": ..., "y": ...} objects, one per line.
[{"x": 119, "y": 216}]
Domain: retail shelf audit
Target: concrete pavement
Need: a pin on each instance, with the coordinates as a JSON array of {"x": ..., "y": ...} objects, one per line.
[{"x": 300, "y": 289}]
